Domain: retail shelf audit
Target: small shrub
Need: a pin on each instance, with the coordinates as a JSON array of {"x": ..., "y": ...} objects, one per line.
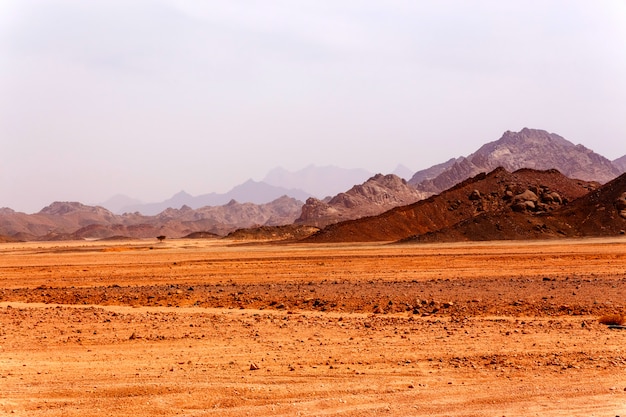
[{"x": 612, "y": 319}]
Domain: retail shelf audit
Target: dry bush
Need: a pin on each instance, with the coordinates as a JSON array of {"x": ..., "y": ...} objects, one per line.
[{"x": 607, "y": 319}]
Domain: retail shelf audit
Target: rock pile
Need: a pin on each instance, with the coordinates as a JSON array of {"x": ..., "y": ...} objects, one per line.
[{"x": 534, "y": 199}]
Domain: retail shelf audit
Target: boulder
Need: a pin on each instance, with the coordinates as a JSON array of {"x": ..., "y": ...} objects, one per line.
[
  {"x": 475, "y": 195},
  {"x": 527, "y": 195}
]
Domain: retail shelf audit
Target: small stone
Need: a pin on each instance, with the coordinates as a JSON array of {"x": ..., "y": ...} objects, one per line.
[
  {"x": 475, "y": 195},
  {"x": 254, "y": 367}
]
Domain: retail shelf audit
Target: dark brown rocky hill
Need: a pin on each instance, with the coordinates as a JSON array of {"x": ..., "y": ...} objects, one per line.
[
  {"x": 600, "y": 213},
  {"x": 285, "y": 233},
  {"x": 374, "y": 196},
  {"x": 526, "y": 190},
  {"x": 529, "y": 148}
]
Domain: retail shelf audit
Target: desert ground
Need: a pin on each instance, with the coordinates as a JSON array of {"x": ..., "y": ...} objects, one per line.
[{"x": 211, "y": 327}]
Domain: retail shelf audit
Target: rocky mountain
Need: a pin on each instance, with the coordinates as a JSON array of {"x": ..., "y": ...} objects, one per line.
[
  {"x": 70, "y": 220},
  {"x": 320, "y": 182},
  {"x": 433, "y": 172},
  {"x": 620, "y": 164},
  {"x": 56, "y": 218},
  {"x": 374, "y": 196},
  {"x": 524, "y": 190},
  {"x": 529, "y": 148},
  {"x": 249, "y": 192}
]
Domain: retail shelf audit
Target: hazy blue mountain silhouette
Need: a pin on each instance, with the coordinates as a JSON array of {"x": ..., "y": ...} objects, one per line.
[
  {"x": 249, "y": 192},
  {"x": 320, "y": 182}
]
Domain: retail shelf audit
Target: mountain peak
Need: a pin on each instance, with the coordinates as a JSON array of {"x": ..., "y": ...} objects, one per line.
[
  {"x": 528, "y": 148},
  {"x": 59, "y": 208},
  {"x": 181, "y": 194},
  {"x": 376, "y": 195}
]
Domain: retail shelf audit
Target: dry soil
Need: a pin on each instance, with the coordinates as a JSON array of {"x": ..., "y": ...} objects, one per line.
[{"x": 199, "y": 328}]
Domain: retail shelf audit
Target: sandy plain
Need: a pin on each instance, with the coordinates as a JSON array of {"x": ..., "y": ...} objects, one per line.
[{"x": 140, "y": 328}]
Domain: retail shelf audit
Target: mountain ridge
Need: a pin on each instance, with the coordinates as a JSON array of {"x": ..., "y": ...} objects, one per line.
[
  {"x": 74, "y": 220},
  {"x": 243, "y": 205},
  {"x": 255, "y": 192},
  {"x": 528, "y": 148},
  {"x": 320, "y": 182}
]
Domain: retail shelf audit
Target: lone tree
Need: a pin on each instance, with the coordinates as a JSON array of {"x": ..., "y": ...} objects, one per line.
[{"x": 161, "y": 238}]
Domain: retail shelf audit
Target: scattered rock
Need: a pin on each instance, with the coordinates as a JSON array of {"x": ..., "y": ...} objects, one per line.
[{"x": 475, "y": 195}]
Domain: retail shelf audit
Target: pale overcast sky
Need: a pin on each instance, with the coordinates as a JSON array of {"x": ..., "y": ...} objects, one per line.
[{"x": 147, "y": 98}]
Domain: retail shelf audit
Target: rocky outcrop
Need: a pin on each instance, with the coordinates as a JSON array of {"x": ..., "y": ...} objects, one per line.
[
  {"x": 537, "y": 200},
  {"x": 529, "y": 148},
  {"x": 376, "y": 195}
]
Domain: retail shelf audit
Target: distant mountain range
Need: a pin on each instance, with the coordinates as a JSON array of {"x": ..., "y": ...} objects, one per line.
[
  {"x": 320, "y": 182},
  {"x": 312, "y": 181},
  {"x": 72, "y": 220},
  {"x": 278, "y": 199},
  {"x": 249, "y": 192}
]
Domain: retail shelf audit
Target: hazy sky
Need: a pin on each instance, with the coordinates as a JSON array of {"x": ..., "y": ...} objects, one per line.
[{"x": 147, "y": 98}]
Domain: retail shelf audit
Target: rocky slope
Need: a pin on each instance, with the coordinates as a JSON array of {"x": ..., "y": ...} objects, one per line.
[
  {"x": 620, "y": 164},
  {"x": 601, "y": 212},
  {"x": 524, "y": 190},
  {"x": 433, "y": 172},
  {"x": 374, "y": 196},
  {"x": 529, "y": 148},
  {"x": 71, "y": 220}
]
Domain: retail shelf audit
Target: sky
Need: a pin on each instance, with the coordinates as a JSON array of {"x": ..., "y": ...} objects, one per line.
[{"x": 148, "y": 98}]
